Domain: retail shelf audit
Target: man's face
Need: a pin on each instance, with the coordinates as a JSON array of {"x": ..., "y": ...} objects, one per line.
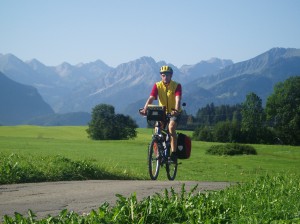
[{"x": 166, "y": 77}]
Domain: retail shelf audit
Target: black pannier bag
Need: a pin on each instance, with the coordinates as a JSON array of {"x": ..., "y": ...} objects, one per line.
[
  {"x": 184, "y": 146},
  {"x": 156, "y": 113}
]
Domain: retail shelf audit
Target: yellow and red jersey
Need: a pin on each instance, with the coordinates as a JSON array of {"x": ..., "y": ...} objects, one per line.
[{"x": 166, "y": 94}]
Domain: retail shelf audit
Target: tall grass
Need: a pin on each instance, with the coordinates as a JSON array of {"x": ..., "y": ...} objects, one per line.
[
  {"x": 266, "y": 199},
  {"x": 21, "y": 169}
]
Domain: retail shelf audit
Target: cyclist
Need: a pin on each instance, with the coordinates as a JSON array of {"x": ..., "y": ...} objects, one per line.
[{"x": 169, "y": 95}]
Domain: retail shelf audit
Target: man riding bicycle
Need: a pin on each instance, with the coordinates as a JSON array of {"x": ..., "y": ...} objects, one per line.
[{"x": 169, "y": 95}]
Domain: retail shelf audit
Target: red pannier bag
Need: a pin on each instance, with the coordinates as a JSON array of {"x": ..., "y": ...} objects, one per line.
[{"x": 184, "y": 146}]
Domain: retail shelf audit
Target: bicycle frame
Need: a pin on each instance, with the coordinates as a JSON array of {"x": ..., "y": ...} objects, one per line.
[
  {"x": 162, "y": 136},
  {"x": 159, "y": 152}
]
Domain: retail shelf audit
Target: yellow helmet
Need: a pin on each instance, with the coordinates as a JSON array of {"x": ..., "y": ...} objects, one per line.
[{"x": 166, "y": 69}]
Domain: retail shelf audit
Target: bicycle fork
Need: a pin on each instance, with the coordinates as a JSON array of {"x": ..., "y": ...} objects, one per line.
[{"x": 163, "y": 148}]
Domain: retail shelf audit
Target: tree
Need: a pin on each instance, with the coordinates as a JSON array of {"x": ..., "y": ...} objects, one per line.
[
  {"x": 203, "y": 134},
  {"x": 206, "y": 115},
  {"x": 252, "y": 118},
  {"x": 125, "y": 126},
  {"x": 283, "y": 110},
  {"x": 227, "y": 131},
  {"x": 105, "y": 124}
]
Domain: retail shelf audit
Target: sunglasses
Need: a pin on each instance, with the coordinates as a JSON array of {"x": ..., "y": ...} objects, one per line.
[{"x": 165, "y": 74}]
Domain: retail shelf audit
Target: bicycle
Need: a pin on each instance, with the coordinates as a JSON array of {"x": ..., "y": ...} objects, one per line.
[{"x": 159, "y": 147}]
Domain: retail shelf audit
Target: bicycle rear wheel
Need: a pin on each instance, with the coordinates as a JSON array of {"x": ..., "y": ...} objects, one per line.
[
  {"x": 171, "y": 169},
  {"x": 153, "y": 159}
]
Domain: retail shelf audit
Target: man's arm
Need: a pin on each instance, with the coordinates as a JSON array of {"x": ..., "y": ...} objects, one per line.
[
  {"x": 149, "y": 101},
  {"x": 177, "y": 106},
  {"x": 178, "y": 93},
  {"x": 152, "y": 97}
]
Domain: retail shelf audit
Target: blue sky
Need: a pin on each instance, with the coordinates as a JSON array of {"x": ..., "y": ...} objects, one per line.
[{"x": 119, "y": 31}]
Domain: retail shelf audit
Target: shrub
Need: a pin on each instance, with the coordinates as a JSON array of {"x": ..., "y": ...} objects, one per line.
[
  {"x": 231, "y": 149},
  {"x": 105, "y": 124},
  {"x": 203, "y": 134}
]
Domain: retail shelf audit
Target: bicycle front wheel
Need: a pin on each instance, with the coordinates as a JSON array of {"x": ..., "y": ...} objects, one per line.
[
  {"x": 153, "y": 160},
  {"x": 171, "y": 169}
]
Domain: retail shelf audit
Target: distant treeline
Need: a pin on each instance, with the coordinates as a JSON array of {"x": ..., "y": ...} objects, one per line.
[{"x": 249, "y": 122}]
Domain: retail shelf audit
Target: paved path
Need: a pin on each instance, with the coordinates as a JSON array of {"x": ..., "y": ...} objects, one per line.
[{"x": 83, "y": 196}]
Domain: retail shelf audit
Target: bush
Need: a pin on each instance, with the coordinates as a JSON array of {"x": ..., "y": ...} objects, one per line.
[
  {"x": 225, "y": 131},
  {"x": 106, "y": 125},
  {"x": 203, "y": 134},
  {"x": 231, "y": 149}
]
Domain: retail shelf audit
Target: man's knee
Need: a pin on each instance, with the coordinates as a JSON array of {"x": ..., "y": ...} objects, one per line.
[{"x": 172, "y": 129}]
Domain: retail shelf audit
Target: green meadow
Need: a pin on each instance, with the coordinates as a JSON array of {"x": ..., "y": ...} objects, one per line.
[
  {"x": 128, "y": 157},
  {"x": 266, "y": 190}
]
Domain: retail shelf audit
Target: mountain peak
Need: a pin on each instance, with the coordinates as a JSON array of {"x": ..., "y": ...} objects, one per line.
[
  {"x": 204, "y": 68},
  {"x": 144, "y": 60},
  {"x": 284, "y": 52},
  {"x": 276, "y": 53},
  {"x": 98, "y": 62},
  {"x": 64, "y": 69},
  {"x": 213, "y": 60},
  {"x": 35, "y": 64},
  {"x": 9, "y": 59}
]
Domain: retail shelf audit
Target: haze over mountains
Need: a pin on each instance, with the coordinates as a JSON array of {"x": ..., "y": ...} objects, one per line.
[{"x": 78, "y": 88}]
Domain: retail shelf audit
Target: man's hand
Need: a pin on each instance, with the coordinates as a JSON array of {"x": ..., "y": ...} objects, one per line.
[
  {"x": 175, "y": 112},
  {"x": 143, "y": 111}
]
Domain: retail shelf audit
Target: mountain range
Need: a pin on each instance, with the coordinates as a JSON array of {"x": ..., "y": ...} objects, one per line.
[{"x": 78, "y": 88}]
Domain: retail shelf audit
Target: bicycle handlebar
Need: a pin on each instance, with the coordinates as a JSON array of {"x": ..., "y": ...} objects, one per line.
[
  {"x": 167, "y": 113},
  {"x": 183, "y": 104}
]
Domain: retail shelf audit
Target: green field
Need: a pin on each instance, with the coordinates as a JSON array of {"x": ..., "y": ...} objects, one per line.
[
  {"x": 268, "y": 192},
  {"x": 128, "y": 157}
]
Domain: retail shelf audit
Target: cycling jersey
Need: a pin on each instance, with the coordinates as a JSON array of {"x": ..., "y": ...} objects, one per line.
[{"x": 166, "y": 94}]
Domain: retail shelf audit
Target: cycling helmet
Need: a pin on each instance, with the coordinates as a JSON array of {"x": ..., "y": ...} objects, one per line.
[{"x": 166, "y": 69}]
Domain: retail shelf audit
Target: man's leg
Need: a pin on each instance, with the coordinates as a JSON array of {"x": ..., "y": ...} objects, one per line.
[{"x": 172, "y": 130}]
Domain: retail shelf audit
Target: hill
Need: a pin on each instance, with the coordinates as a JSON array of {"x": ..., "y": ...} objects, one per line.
[{"x": 20, "y": 102}]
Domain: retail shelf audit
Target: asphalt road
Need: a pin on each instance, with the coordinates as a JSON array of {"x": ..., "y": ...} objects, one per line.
[{"x": 83, "y": 196}]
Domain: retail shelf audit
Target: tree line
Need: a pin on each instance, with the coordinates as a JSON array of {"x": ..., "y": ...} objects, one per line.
[{"x": 249, "y": 122}]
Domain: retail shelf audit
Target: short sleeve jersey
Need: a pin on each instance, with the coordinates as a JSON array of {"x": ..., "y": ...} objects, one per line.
[{"x": 166, "y": 94}]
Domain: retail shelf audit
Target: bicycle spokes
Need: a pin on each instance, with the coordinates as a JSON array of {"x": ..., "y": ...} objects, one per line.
[
  {"x": 153, "y": 160},
  {"x": 155, "y": 149},
  {"x": 171, "y": 168}
]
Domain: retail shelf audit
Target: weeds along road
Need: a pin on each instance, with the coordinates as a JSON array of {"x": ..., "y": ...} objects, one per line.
[{"x": 83, "y": 196}]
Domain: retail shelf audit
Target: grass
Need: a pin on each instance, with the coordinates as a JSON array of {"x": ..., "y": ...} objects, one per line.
[
  {"x": 129, "y": 156},
  {"x": 268, "y": 199},
  {"x": 268, "y": 192}
]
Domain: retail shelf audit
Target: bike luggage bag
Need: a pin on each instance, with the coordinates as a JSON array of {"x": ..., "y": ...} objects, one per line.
[
  {"x": 156, "y": 113},
  {"x": 184, "y": 146}
]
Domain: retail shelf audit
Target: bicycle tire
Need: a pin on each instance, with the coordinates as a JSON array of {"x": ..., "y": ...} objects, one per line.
[
  {"x": 153, "y": 160},
  {"x": 171, "y": 169}
]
